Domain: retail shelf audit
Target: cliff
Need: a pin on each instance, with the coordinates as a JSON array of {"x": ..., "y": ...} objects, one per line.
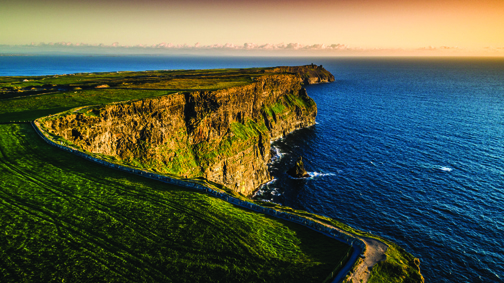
[{"x": 223, "y": 135}]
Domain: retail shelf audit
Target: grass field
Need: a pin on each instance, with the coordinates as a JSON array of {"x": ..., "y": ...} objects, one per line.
[
  {"x": 28, "y": 98},
  {"x": 65, "y": 219},
  {"x": 29, "y": 108}
]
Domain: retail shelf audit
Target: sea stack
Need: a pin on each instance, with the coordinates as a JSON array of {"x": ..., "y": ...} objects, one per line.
[{"x": 298, "y": 171}]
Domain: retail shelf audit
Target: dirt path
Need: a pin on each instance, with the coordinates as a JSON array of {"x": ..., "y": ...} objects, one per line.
[{"x": 375, "y": 252}]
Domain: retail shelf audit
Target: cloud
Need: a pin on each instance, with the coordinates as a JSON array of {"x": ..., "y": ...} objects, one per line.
[
  {"x": 493, "y": 48},
  {"x": 250, "y": 48},
  {"x": 434, "y": 48},
  {"x": 294, "y": 46},
  {"x": 198, "y": 46}
]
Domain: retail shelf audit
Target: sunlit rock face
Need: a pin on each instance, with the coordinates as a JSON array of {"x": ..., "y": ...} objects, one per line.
[{"x": 222, "y": 135}]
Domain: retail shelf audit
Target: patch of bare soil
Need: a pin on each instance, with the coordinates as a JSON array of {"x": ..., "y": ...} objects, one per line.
[{"x": 375, "y": 252}]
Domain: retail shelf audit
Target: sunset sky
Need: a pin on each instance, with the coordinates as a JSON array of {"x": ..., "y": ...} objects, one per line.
[{"x": 472, "y": 27}]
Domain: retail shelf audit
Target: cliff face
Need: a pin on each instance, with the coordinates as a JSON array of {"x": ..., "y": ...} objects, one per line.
[
  {"x": 221, "y": 135},
  {"x": 309, "y": 74}
]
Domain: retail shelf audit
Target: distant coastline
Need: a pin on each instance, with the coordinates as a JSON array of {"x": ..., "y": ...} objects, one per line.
[{"x": 15, "y": 55}]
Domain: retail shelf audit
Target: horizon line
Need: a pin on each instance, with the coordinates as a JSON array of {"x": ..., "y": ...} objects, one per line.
[{"x": 248, "y": 49}]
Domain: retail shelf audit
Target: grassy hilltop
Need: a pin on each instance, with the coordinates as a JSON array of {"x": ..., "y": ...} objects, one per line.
[{"x": 28, "y": 98}]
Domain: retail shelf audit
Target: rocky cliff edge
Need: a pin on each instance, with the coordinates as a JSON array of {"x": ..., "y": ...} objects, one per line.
[{"x": 222, "y": 135}]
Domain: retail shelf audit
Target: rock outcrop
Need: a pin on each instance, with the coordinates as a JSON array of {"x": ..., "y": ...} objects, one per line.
[
  {"x": 222, "y": 135},
  {"x": 298, "y": 170}
]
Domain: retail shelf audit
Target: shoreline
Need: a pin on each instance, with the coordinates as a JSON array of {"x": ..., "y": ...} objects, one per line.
[
  {"x": 373, "y": 253},
  {"x": 271, "y": 160}
]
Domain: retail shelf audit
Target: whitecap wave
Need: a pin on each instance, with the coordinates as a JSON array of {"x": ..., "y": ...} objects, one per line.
[
  {"x": 270, "y": 182},
  {"x": 313, "y": 175},
  {"x": 276, "y": 154},
  {"x": 446, "y": 169},
  {"x": 275, "y": 192},
  {"x": 436, "y": 167},
  {"x": 318, "y": 174},
  {"x": 264, "y": 188}
]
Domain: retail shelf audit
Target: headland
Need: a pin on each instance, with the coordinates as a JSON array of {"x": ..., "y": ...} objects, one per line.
[{"x": 213, "y": 126}]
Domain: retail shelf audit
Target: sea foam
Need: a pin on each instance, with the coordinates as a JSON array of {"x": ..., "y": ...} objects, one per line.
[
  {"x": 446, "y": 169},
  {"x": 313, "y": 175}
]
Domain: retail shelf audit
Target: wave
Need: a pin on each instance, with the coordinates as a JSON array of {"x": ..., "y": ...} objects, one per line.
[
  {"x": 264, "y": 188},
  {"x": 275, "y": 192},
  {"x": 269, "y": 193},
  {"x": 276, "y": 155},
  {"x": 270, "y": 182},
  {"x": 443, "y": 168},
  {"x": 436, "y": 167},
  {"x": 446, "y": 169},
  {"x": 313, "y": 175},
  {"x": 317, "y": 174}
]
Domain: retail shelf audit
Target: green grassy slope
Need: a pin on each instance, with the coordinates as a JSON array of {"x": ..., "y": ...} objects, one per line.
[
  {"x": 28, "y": 98},
  {"x": 31, "y": 107},
  {"x": 66, "y": 219}
]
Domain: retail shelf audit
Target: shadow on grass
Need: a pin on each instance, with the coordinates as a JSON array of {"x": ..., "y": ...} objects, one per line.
[{"x": 30, "y": 115}]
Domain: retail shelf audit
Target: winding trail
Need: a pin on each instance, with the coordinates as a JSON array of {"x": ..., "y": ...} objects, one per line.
[{"x": 375, "y": 252}]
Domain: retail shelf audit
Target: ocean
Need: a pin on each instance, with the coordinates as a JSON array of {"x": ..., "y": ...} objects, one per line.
[{"x": 411, "y": 149}]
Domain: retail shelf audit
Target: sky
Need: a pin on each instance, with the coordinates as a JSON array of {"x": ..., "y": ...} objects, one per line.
[{"x": 466, "y": 27}]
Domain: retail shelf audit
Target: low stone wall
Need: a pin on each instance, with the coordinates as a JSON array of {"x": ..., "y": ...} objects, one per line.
[{"x": 314, "y": 225}]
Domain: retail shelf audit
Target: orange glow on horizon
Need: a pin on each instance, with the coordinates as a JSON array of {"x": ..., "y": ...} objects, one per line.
[{"x": 474, "y": 26}]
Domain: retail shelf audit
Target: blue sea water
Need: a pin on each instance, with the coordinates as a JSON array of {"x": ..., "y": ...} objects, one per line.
[{"x": 411, "y": 149}]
